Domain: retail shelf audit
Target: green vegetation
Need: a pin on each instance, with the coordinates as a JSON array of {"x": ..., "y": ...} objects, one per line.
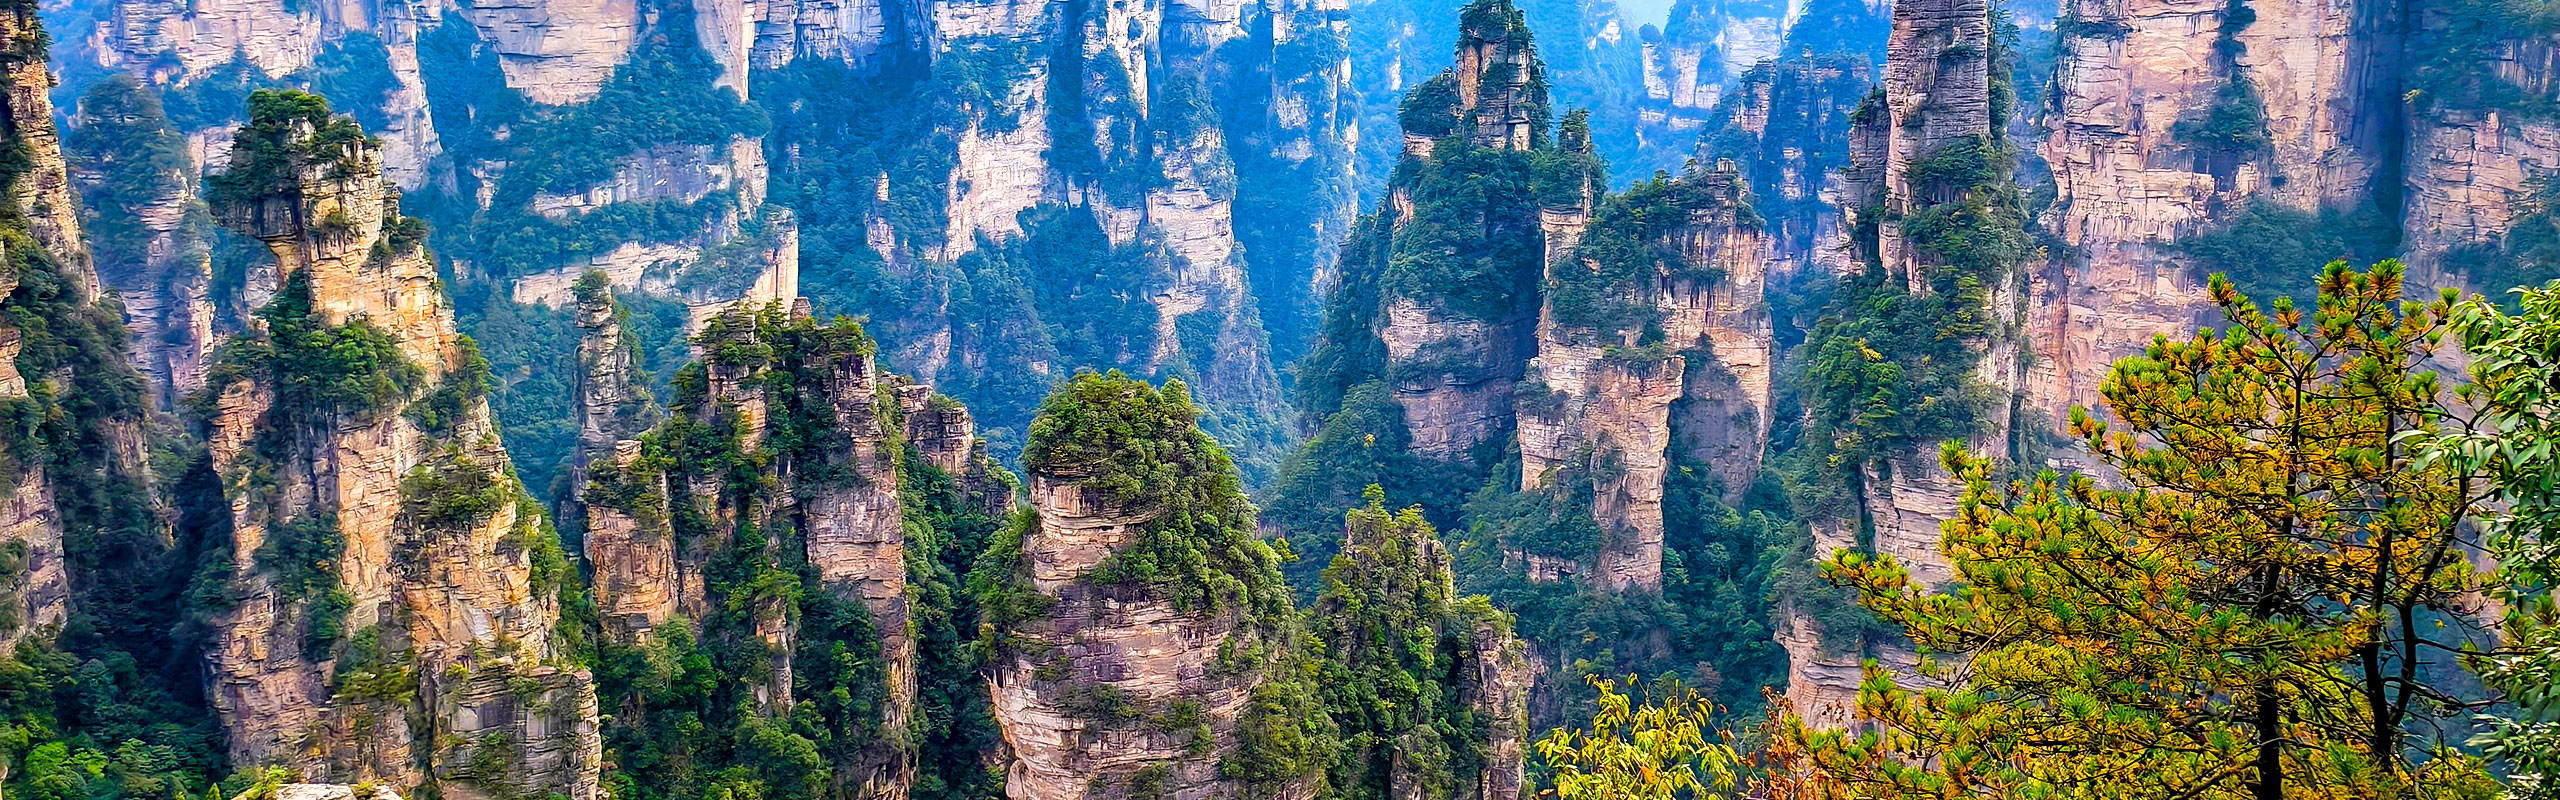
[
  {"x": 1709, "y": 627},
  {"x": 663, "y": 95},
  {"x": 1285, "y": 200},
  {"x": 948, "y": 524},
  {"x": 1396, "y": 647},
  {"x": 2158, "y": 639},
  {"x": 122, "y": 138},
  {"x": 2514, "y": 358},
  {"x": 1659, "y": 750},
  {"x": 1140, "y": 447},
  {"x": 1472, "y": 245},
  {"x": 2256, "y": 244},
  {"x": 2454, "y": 55},
  {"x": 1626, "y": 252},
  {"x": 695, "y": 724},
  {"x": 108, "y": 707},
  {"x": 318, "y": 371},
  {"x": 287, "y": 132},
  {"x": 2231, "y": 126},
  {"x": 451, "y": 492},
  {"x": 456, "y": 395}
]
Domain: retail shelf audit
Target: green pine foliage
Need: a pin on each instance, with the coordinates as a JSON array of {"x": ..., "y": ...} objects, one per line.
[{"x": 319, "y": 371}]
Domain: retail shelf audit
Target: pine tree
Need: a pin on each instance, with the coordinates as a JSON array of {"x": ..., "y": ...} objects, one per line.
[
  {"x": 2249, "y": 605},
  {"x": 1664, "y": 749}
]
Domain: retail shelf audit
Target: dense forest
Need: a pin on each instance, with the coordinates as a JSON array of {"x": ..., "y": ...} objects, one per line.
[{"x": 1279, "y": 400}]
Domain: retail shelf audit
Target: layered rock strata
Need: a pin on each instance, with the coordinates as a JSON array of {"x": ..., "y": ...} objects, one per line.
[
  {"x": 1454, "y": 368},
  {"x": 425, "y": 566},
  {"x": 42, "y": 224},
  {"x": 2127, "y": 188},
  {"x": 1938, "y": 107},
  {"x": 1786, "y": 125},
  {"x": 807, "y": 402},
  {"x": 1693, "y": 385},
  {"x": 1695, "y": 56},
  {"x": 1119, "y": 685}
]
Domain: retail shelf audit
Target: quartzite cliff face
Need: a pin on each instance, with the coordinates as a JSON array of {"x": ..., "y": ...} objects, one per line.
[
  {"x": 784, "y": 448},
  {"x": 1147, "y": 648},
  {"x": 50, "y": 282},
  {"x": 394, "y": 591},
  {"x": 1648, "y": 360},
  {"x": 1937, "y": 224},
  {"x": 559, "y": 136}
]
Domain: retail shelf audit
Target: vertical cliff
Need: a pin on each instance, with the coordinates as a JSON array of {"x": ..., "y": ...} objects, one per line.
[
  {"x": 394, "y": 595},
  {"x": 1579, "y": 383},
  {"x": 613, "y": 402},
  {"x": 79, "y": 503},
  {"x": 1443, "y": 277},
  {"x": 2287, "y": 116},
  {"x": 542, "y": 139},
  {"x": 1425, "y": 684},
  {"x": 1196, "y": 156},
  {"x": 1144, "y": 643},
  {"x": 1694, "y": 57},
  {"x": 764, "y": 524},
  {"x": 1786, "y": 126},
  {"x": 148, "y": 233},
  {"x": 2294, "y": 134},
  {"x": 1922, "y": 343},
  {"x": 1040, "y": 187},
  {"x": 2129, "y": 74},
  {"x": 2483, "y": 145},
  {"x": 1653, "y": 347}
]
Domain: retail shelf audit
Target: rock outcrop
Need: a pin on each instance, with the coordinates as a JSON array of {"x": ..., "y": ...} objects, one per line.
[
  {"x": 2479, "y": 163},
  {"x": 1147, "y": 639},
  {"x": 1929, "y": 181},
  {"x": 1696, "y": 55},
  {"x": 2127, "y": 188},
  {"x": 786, "y": 425},
  {"x": 136, "y": 175},
  {"x": 99, "y": 439},
  {"x": 1453, "y": 355},
  {"x": 1644, "y": 361},
  {"x": 2160, "y": 134},
  {"x": 1389, "y": 590},
  {"x": 396, "y": 589},
  {"x": 1786, "y": 125}
]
